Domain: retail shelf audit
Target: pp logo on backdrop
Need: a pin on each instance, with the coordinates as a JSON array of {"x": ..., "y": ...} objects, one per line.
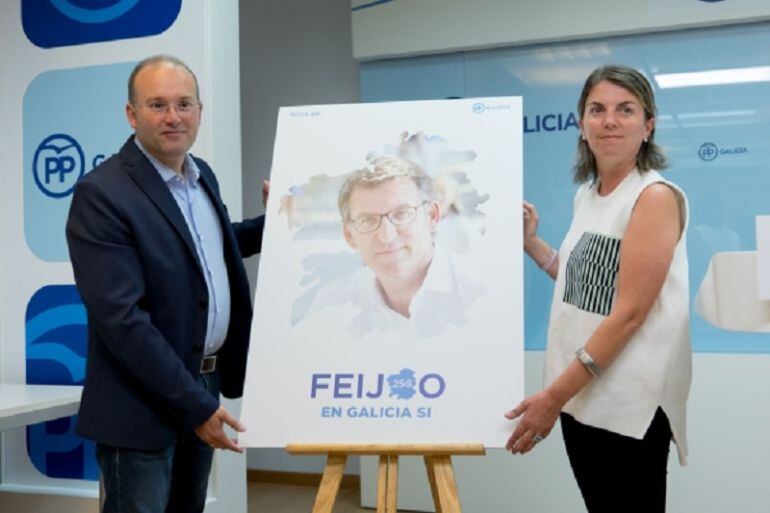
[
  {"x": 61, "y": 145},
  {"x": 709, "y": 151},
  {"x": 58, "y": 164},
  {"x": 54, "y": 23},
  {"x": 56, "y": 335}
]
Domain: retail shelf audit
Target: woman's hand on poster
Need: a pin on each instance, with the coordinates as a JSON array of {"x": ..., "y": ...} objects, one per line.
[
  {"x": 538, "y": 414},
  {"x": 265, "y": 192},
  {"x": 531, "y": 220}
]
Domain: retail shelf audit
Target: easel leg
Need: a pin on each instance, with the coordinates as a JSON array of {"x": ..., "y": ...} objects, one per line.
[
  {"x": 392, "y": 501},
  {"x": 432, "y": 480},
  {"x": 438, "y": 463},
  {"x": 382, "y": 483},
  {"x": 387, "y": 484},
  {"x": 330, "y": 483},
  {"x": 442, "y": 484}
]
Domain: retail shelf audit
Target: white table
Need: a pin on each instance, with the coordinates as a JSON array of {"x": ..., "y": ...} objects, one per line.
[{"x": 21, "y": 405}]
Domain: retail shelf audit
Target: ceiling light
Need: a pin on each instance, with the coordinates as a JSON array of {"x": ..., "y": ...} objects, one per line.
[{"x": 714, "y": 77}]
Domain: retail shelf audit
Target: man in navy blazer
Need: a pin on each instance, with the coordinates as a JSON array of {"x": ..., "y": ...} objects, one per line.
[{"x": 159, "y": 267}]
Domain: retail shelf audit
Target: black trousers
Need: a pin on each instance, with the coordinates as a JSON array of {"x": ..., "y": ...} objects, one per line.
[{"x": 616, "y": 473}]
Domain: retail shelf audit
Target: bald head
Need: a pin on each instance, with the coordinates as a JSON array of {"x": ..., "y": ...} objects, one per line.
[{"x": 158, "y": 60}]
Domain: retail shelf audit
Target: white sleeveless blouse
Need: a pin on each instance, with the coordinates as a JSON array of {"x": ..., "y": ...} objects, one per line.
[{"x": 655, "y": 367}]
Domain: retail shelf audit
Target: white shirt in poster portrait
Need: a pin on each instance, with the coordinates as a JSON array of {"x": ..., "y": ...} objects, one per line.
[{"x": 450, "y": 287}]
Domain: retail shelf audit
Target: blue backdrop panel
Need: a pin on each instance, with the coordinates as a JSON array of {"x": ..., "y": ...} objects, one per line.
[
  {"x": 715, "y": 136},
  {"x": 56, "y": 341},
  {"x": 73, "y": 119},
  {"x": 54, "y": 23}
]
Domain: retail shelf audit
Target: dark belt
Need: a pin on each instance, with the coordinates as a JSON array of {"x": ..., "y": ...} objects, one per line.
[{"x": 208, "y": 364}]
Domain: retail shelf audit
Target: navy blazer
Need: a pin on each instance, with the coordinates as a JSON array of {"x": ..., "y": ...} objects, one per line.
[{"x": 138, "y": 274}]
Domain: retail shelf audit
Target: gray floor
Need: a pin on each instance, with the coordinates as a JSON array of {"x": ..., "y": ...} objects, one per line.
[
  {"x": 262, "y": 498},
  {"x": 275, "y": 498}
]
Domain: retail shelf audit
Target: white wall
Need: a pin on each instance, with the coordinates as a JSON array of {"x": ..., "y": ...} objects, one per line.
[
  {"x": 292, "y": 53},
  {"x": 399, "y": 28}
]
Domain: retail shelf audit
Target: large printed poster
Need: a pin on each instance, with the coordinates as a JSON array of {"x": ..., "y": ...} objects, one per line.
[{"x": 389, "y": 301}]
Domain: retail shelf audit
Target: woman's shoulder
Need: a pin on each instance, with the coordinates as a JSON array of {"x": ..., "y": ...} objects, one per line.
[
  {"x": 583, "y": 191},
  {"x": 654, "y": 176},
  {"x": 657, "y": 190}
]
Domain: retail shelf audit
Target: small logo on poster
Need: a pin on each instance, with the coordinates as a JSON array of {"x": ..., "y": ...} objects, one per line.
[
  {"x": 480, "y": 108},
  {"x": 56, "y": 336},
  {"x": 54, "y": 23},
  {"x": 58, "y": 164},
  {"x": 402, "y": 385}
]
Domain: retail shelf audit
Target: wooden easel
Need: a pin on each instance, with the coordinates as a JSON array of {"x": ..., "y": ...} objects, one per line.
[{"x": 438, "y": 462}]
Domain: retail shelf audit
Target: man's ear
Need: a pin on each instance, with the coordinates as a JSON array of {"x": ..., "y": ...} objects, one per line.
[
  {"x": 434, "y": 214},
  {"x": 348, "y": 235},
  {"x": 131, "y": 115}
]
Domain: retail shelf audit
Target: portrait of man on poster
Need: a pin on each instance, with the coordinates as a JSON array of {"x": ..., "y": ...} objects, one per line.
[{"x": 390, "y": 215}]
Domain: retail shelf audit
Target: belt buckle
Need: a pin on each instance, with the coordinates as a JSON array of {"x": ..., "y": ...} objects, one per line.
[{"x": 208, "y": 364}]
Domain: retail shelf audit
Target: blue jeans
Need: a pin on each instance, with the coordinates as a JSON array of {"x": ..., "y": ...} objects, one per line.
[{"x": 172, "y": 480}]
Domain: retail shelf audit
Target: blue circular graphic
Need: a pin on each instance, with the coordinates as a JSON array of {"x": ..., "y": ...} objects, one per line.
[
  {"x": 102, "y": 15},
  {"x": 58, "y": 164},
  {"x": 708, "y": 151},
  {"x": 478, "y": 108}
]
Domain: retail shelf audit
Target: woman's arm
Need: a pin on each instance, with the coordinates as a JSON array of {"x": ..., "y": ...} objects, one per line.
[
  {"x": 645, "y": 258},
  {"x": 546, "y": 257}
]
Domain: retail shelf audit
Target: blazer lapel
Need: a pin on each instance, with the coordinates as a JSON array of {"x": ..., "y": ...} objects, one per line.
[{"x": 150, "y": 182}]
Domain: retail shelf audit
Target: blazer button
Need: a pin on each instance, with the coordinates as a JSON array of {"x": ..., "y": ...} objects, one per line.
[
  {"x": 198, "y": 348},
  {"x": 203, "y": 304}
]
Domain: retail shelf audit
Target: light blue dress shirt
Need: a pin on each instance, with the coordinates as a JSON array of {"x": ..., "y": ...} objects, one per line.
[{"x": 206, "y": 233}]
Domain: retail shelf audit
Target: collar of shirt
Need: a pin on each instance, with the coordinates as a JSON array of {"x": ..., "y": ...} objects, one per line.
[
  {"x": 449, "y": 288},
  {"x": 441, "y": 301},
  {"x": 190, "y": 171},
  {"x": 439, "y": 282}
]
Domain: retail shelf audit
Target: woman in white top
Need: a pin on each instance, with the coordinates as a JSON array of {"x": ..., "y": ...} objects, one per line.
[{"x": 618, "y": 359}]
